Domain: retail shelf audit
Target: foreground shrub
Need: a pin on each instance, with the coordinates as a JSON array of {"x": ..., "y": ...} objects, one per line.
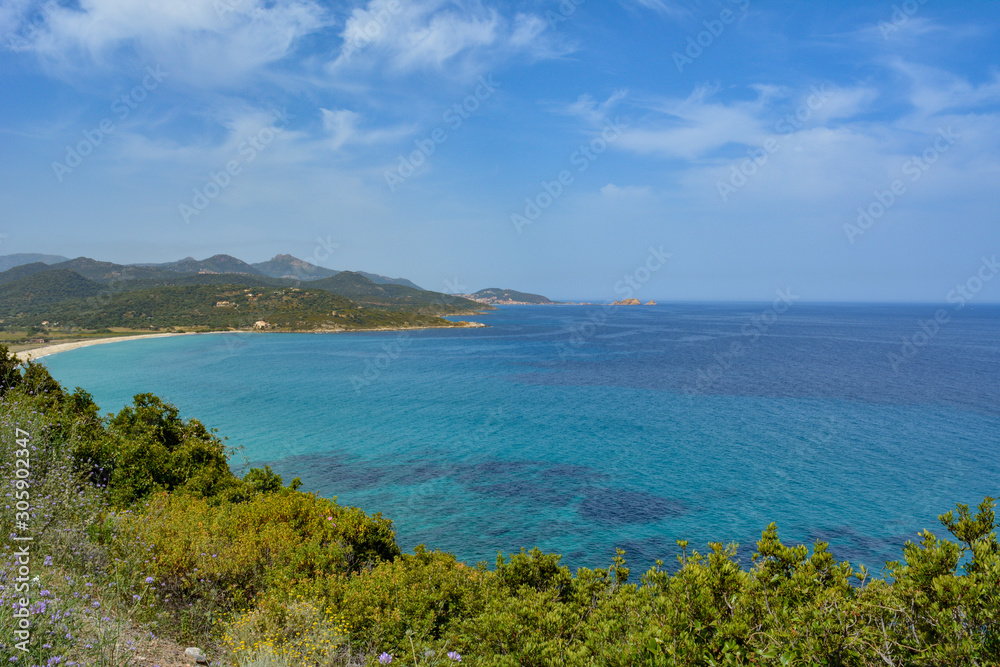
[
  {"x": 298, "y": 633},
  {"x": 147, "y": 448},
  {"x": 211, "y": 557}
]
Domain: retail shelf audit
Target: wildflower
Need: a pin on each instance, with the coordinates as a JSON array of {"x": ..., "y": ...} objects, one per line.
[
  {"x": 385, "y": 658},
  {"x": 149, "y": 580},
  {"x": 454, "y": 655}
]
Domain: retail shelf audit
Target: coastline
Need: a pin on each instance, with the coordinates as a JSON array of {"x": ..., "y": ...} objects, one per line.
[
  {"x": 35, "y": 353},
  {"x": 47, "y": 350}
]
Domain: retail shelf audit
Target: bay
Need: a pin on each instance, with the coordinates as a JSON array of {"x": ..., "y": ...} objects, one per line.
[{"x": 581, "y": 429}]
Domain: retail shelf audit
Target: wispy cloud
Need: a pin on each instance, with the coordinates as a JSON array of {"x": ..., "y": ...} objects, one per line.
[
  {"x": 459, "y": 37},
  {"x": 592, "y": 111},
  {"x": 666, "y": 7},
  {"x": 343, "y": 127},
  {"x": 693, "y": 127},
  {"x": 205, "y": 42},
  {"x": 933, "y": 90}
]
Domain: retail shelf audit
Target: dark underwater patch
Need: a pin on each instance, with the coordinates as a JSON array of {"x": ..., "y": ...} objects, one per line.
[
  {"x": 620, "y": 508},
  {"x": 526, "y": 491}
]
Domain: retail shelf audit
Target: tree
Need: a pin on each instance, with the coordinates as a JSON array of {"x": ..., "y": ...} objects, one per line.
[{"x": 10, "y": 370}]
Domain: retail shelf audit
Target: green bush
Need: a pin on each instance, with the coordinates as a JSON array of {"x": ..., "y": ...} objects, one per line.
[{"x": 147, "y": 448}]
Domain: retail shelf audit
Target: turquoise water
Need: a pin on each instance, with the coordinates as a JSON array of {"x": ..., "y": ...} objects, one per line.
[{"x": 581, "y": 429}]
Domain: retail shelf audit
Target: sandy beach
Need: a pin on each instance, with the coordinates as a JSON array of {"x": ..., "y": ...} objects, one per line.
[{"x": 46, "y": 350}]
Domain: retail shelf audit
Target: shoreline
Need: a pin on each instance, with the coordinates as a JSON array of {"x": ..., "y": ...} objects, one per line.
[
  {"x": 35, "y": 353},
  {"x": 47, "y": 350}
]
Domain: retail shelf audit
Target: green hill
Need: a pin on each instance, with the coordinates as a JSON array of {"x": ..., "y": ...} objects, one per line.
[
  {"x": 385, "y": 280},
  {"x": 23, "y": 271},
  {"x": 286, "y": 266},
  {"x": 214, "y": 264},
  {"x": 227, "y": 306},
  {"x": 84, "y": 293},
  {"x": 169, "y": 279},
  {"x": 38, "y": 293},
  {"x": 92, "y": 269},
  {"x": 359, "y": 288}
]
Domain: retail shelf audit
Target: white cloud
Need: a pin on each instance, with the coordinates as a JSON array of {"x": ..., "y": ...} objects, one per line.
[
  {"x": 662, "y": 6},
  {"x": 461, "y": 36},
  {"x": 342, "y": 127},
  {"x": 595, "y": 113},
  {"x": 934, "y": 90},
  {"x": 692, "y": 127},
  {"x": 839, "y": 102},
  {"x": 613, "y": 191},
  {"x": 698, "y": 126},
  {"x": 206, "y": 42}
]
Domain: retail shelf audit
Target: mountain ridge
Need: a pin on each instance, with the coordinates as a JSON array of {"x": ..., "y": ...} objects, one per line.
[{"x": 281, "y": 267}]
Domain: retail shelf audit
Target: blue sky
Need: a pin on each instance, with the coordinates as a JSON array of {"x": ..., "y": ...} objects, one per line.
[{"x": 844, "y": 151}]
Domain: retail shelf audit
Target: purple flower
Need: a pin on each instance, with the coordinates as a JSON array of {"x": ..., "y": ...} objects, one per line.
[
  {"x": 385, "y": 658},
  {"x": 149, "y": 580},
  {"x": 455, "y": 656}
]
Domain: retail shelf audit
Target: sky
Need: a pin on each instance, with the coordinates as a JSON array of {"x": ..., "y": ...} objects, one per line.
[{"x": 582, "y": 149}]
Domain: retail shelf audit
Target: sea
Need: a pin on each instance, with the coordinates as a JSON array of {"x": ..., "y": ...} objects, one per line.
[{"x": 585, "y": 429}]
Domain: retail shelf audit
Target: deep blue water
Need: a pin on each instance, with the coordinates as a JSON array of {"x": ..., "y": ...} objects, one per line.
[{"x": 579, "y": 429}]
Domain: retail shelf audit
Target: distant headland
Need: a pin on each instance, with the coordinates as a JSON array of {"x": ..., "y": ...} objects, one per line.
[{"x": 494, "y": 296}]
